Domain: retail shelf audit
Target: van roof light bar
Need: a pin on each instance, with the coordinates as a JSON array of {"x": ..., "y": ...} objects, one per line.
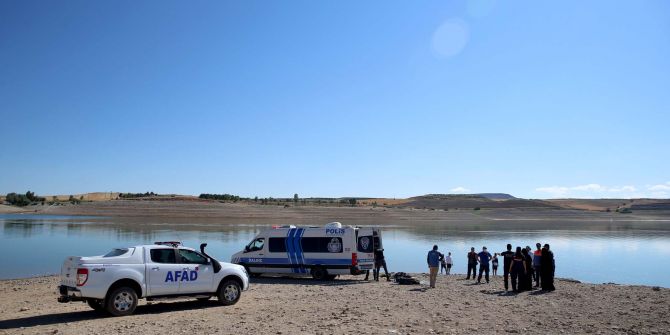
[{"x": 173, "y": 244}]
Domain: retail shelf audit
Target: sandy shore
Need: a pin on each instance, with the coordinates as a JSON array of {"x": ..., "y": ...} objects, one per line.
[{"x": 352, "y": 306}]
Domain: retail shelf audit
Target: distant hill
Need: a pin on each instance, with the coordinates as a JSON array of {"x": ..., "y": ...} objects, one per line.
[
  {"x": 496, "y": 196},
  {"x": 452, "y": 201},
  {"x": 611, "y": 204}
]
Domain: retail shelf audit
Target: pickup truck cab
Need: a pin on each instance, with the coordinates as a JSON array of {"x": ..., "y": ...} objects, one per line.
[{"x": 115, "y": 281}]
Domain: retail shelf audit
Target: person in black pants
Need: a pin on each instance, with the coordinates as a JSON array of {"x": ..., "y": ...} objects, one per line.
[
  {"x": 472, "y": 263},
  {"x": 517, "y": 270},
  {"x": 526, "y": 280},
  {"x": 380, "y": 262},
  {"x": 547, "y": 269},
  {"x": 507, "y": 261}
]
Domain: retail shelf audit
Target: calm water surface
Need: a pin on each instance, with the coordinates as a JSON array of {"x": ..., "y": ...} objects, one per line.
[{"x": 625, "y": 253}]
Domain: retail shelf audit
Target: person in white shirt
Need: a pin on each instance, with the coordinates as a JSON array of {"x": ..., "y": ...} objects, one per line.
[{"x": 449, "y": 262}]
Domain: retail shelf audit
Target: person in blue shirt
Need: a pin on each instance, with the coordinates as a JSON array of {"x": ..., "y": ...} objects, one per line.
[
  {"x": 433, "y": 260},
  {"x": 484, "y": 257}
]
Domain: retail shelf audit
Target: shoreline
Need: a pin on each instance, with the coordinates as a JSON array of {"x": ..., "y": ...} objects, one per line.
[
  {"x": 567, "y": 280},
  {"x": 350, "y": 305}
]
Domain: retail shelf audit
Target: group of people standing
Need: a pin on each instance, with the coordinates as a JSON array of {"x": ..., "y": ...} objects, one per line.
[{"x": 522, "y": 266}]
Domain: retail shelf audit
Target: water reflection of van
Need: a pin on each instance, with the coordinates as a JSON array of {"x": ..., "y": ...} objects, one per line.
[{"x": 322, "y": 252}]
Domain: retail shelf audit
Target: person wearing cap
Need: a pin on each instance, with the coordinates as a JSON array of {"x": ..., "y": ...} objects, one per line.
[
  {"x": 433, "y": 260},
  {"x": 484, "y": 257},
  {"x": 547, "y": 267}
]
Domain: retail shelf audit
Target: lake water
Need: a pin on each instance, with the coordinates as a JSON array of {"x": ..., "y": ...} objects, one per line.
[{"x": 626, "y": 252}]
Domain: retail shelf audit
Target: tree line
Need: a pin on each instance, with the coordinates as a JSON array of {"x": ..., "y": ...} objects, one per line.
[
  {"x": 137, "y": 195},
  {"x": 21, "y": 200},
  {"x": 224, "y": 197}
]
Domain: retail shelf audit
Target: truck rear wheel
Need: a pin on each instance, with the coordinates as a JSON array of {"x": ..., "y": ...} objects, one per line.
[
  {"x": 95, "y": 304},
  {"x": 121, "y": 301},
  {"x": 229, "y": 292}
]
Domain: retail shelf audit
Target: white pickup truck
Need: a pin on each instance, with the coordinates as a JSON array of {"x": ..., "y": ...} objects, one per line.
[{"x": 115, "y": 281}]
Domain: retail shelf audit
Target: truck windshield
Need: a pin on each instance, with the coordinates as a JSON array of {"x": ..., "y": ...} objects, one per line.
[{"x": 116, "y": 252}]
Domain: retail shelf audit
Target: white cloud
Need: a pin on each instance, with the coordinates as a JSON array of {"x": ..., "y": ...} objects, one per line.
[
  {"x": 594, "y": 190},
  {"x": 660, "y": 187},
  {"x": 589, "y": 187},
  {"x": 459, "y": 189},
  {"x": 628, "y": 188}
]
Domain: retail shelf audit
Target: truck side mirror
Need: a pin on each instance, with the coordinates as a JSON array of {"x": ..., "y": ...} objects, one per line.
[{"x": 246, "y": 249}]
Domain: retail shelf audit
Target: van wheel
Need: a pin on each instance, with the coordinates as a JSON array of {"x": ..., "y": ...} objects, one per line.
[
  {"x": 122, "y": 301},
  {"x": 251, "y": 274},
  {"x": 319, "y": 273},
  {"x": 229, "y": 292},
  {"x": 95, "y": 304}
]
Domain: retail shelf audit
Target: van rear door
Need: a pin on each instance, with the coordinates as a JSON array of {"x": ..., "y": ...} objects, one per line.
[{"x": 367, "y": 242}]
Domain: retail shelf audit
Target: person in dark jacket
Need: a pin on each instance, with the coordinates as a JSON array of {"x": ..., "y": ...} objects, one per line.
[
  {"x": 379, "y": 263},
  {"x": 547, "y": 269},
  {"x": 507, "y": 261},
  {"x": 527, "y": 278},
  {"x": 472, "y": 263},
  {"x": 517, "y": 270}
]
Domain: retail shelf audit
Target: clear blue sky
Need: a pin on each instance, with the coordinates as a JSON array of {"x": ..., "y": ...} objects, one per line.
[{"x": 336, "y": 98}]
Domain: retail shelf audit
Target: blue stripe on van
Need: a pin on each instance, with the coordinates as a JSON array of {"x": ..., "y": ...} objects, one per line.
[
  {"x": 307, "y": 261},
  {"x": 302, "y": 255},
  {"x": 296, "y": 248},
  {"x": 289, "y": 246},
  {"x": 322, "y": 261}
]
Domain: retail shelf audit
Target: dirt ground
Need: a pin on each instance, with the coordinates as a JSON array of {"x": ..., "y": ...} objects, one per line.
[{"x": 350, "y": 305}]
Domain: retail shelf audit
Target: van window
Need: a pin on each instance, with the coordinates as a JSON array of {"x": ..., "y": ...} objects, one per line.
[
  {"x": 321, "y": 244},
  {"x": 256, "y": 245},
  {"x": 277, "y": 244},
  {"x": 191, "y": 257},
  {"x": 162, "y": 256},
  {"x": 365, "y": 244}
]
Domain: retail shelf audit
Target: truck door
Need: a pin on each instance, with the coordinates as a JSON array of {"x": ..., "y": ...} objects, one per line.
[
  {"x": 198, "y": 273},
  {"x": 161, "y": 271},
  {"x": 365, "y": 247}
]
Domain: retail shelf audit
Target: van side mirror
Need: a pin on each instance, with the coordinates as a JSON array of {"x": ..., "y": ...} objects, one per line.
[{"x": 246, "y": 249}]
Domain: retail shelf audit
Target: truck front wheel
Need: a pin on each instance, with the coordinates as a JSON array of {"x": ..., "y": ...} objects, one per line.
[
  {"x": 121, "y": 301},
  {"x": 229, "y": 292}
]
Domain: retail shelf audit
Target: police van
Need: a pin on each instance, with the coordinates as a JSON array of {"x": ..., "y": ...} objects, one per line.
[{"x": 322, "y": 252}]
